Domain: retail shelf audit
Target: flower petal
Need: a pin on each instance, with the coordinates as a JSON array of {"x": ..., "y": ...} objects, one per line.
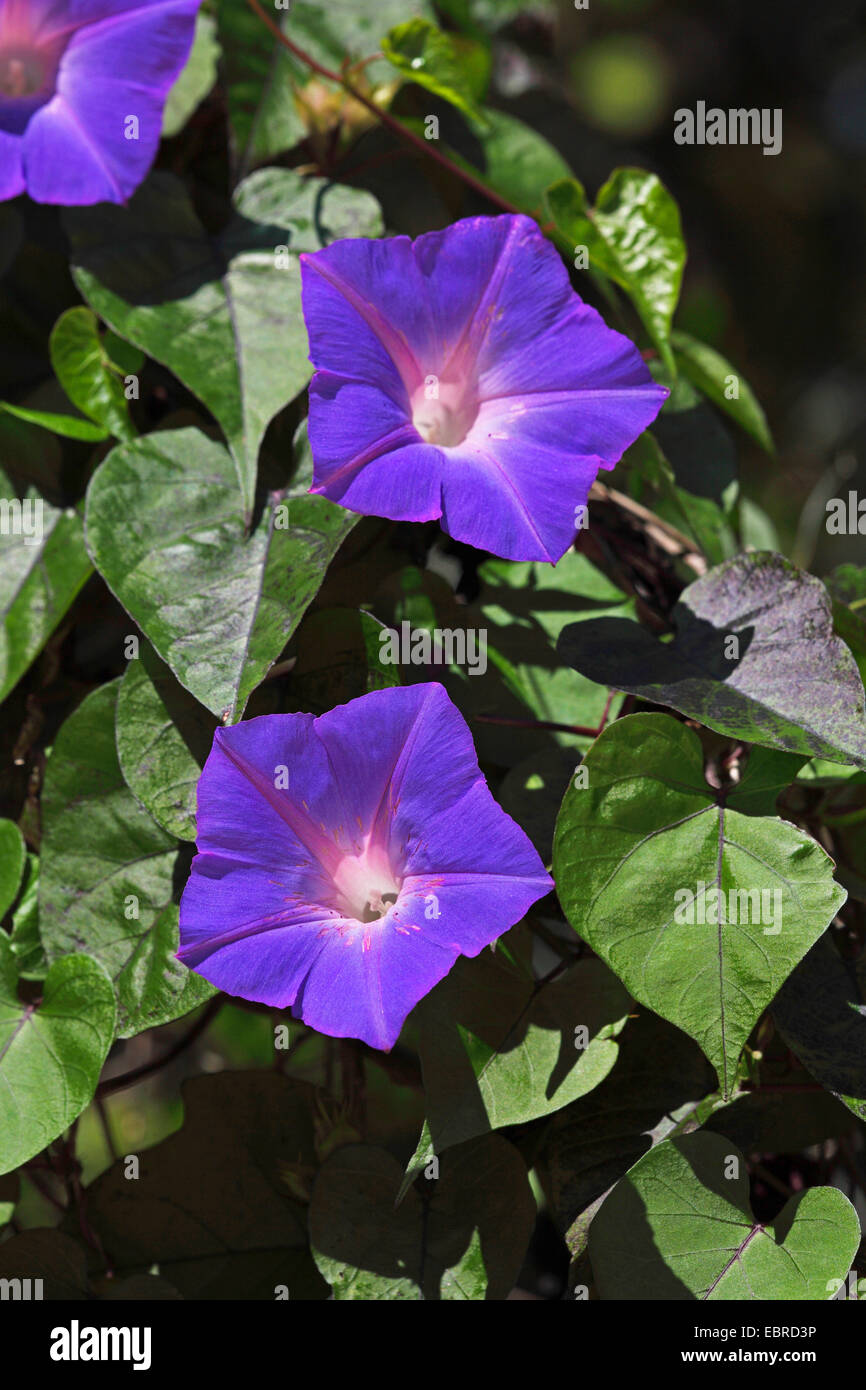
[
  {"x": 538, "y": 334},
  {"x": 81, "y": 147},
  {"x": 535, "y": 392},
  {"x": 591, "y": 422},
  {"x": 529, "y": 460},
  {"x": 57, "y": 18},
  {"x": 229, "y": 908},
  {"x": 531, "y": 491},
  {"x": 369, "y": 451},
  {"x": 365, "y": 984},
  {"x": 405, "y": 767},
  {"x": 265, "y": 957},
  {"x": 391, "y": 777},
  {"x": 366, "y": 312},
  {"x": 11, "y": 169},
  {"x": 464, "y": 913},
  {"x": 465, "y": 266},
  {"x": 398, "y": 756},
  {"x": 471, "y": 834},
  {"x": 265, "y": 795}
]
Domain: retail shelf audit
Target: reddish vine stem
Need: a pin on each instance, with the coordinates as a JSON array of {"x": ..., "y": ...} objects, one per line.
[
  {"x": 102, "y": 1112},
  {"x": 396, "y": 127},
  {"x": 78, "y": 1197},
  {"x": 44, "y": 1191},
  {"x": 770, "y": 1179},
  {"x": 131, "y": 1078},
  {"x": 606, "y": 711}
]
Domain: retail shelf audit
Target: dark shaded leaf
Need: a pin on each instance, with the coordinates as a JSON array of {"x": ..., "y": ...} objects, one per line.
[
  {"x": 50, "y": 1256},
  {"x": 465, "y": 1240},
  {"x": 754, "y": 656},
  {"x": 659, "y": 1078},
  {"x": 821, "y": 1013},
  {"x": 211, "y": 1205},
  {"x": 500, "y": 1048}
]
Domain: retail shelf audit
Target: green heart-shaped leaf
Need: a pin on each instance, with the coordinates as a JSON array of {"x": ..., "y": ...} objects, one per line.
[
  {"x": 163, "y": 739},
  {"x": 41, "y": 570},
  {"x": 449, "y": 66},
  {"x": 679, "y": 1226},
  {"x": 702, "y": 911},
  {"x": 634, "y": 236},
  {"x": 86, "y": 373},
  {"x": 51, "y": 1053},
  {"x": 498, "y": 1048},
  {"x": 106, "y": 882},
  {"x": 166, "y": 532},
  {"x": 13, "y": 854}
]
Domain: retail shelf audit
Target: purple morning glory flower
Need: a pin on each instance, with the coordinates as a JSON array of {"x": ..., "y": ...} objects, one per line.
[
  {"x": 346, "y": 861},
  {"x": 83, "y": 84},
  {"x": 460, "y": 377}
]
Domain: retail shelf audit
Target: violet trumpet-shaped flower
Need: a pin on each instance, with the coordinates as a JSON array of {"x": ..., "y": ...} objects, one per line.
[
  {"x": 460, "y": 377},
  {"x": 83, "y": 84},
  {"x": 346, "y": 861}
]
